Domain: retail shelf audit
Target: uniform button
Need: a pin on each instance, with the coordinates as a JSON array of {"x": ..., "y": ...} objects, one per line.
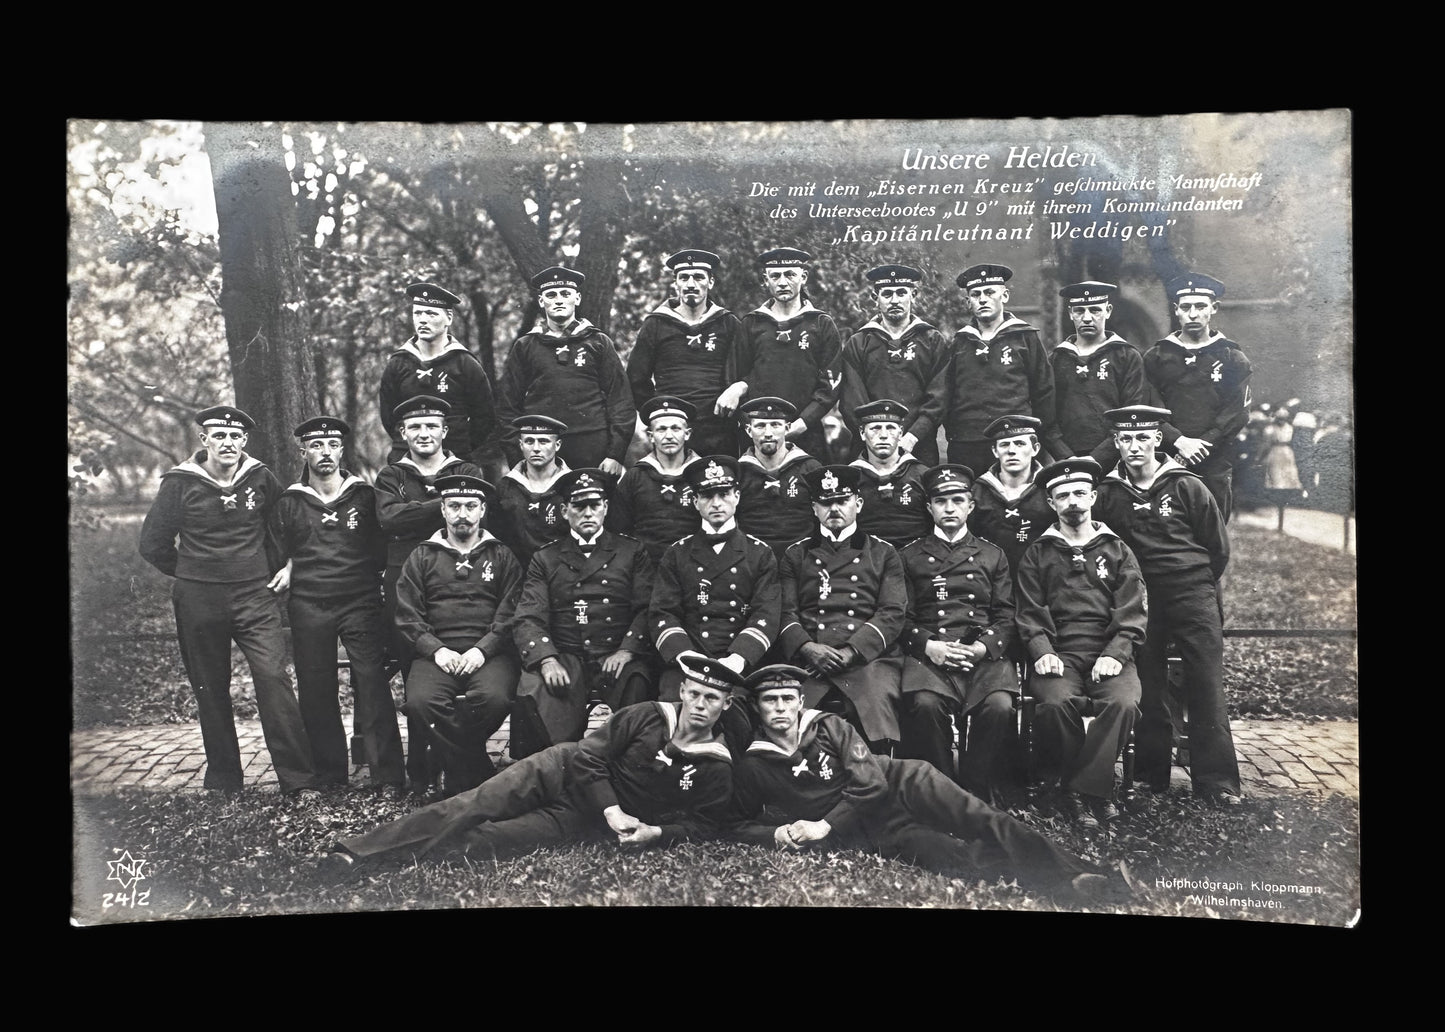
[
  {"x": 699, "y": 569},
  {"x": 704, "y": 634},
  {"x": 733, "y": 570},
  {"x": 586, "y": 641},
  {"x": 732, "y": 619},
  {"x": 851, "y": 627},
  {"x": 733, "y": 586},
  {"x": 932, "y": 560},
  {"x": 544, "y": 639},
  {"x": 733, "y": 602},
  {"x": 940, "y": 612},
  {"x": 850, "y": 612},
  {"x": 857, "y": 560},
  {"x": 606, "y": 601},
  {"x": 604, "y": 581},
  {"x": 704, "y": 619},
  {"x": 822, "y": 628},
  {"x": 970, "y": 576},
  {"x": 853, "y": 577}
]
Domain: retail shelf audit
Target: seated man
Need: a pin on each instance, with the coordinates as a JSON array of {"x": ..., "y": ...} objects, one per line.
[
  {"x": 581, "y": 626},
  {"x": 454, "y": 607},
  {"x": 958, "y": 633},
  {"x": 656, "y": 773},
  {"x": 1080, "y": 616},
  {"x": 807, "y": 778},
  {"x": 843, "y": 606}
]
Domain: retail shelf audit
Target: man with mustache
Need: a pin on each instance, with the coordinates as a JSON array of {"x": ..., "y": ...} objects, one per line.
[
  {"x": 789, "y": 349},
  {"x": 1202, "y": 378},
  {"x": 435, "y": 363},
  {"x": 999, "y": 366},
  {"x": 683, "y": 351},
  {"x": 568, "y": 370},
  {"x": 1080, "y": 618},
  {"x": 209, "y": 529},
  {"x": 455, "y": 603},
  {"x": 335, "y": 552},
  {"x": 898, "y": 356}
]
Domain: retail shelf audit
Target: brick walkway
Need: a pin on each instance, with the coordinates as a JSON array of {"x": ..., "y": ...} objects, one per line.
[{"x": 1274, "y": 756}]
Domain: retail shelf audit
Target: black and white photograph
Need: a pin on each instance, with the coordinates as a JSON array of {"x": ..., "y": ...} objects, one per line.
[{"x": 874, "y": 514}]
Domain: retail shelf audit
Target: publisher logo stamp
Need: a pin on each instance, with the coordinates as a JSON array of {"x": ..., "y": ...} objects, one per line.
[{"x": 128, "y": 871}]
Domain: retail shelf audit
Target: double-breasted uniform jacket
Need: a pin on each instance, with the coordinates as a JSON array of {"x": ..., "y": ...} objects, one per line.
[
  {"x": 716, "y": 601},
  {"x": 584, "y": 605},
  {"x": 654, "y": 507},
  {"x": 1011, "y": 523},
  {"x": 408, "y": 506},
  {"x": 1206, "y": 389},
  {"x": 776, "y": 505},
  {"x": 687, "y": 360},
  {"x": 849, "y": 592},
  {"x": 798, "y": 359},
  {"x": 911, "y": 368},
  {"x": 455, "y": 376},
  {"x": 895, "y": 506},
  {"x": 525, "y": 519},
  {"x": 956, "y": 591},
  {"x": 1008, "y": 373},
  {"x": 1110, "y": 377},
  {"x": 1084, "y": 600},
  {"x": 456, "y": 599},
  {"x": 575, "y": 377}
]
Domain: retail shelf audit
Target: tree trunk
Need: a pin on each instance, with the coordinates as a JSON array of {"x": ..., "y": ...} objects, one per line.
[
  {"x": 600, "y": 226},
  {"x": 262, "y": 291}
]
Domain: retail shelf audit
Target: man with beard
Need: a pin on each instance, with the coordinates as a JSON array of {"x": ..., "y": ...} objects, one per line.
[
  {"x": 455, "y": 603},
  {"x": 1202, "y": 377},
  {"x": 958, "y": 635},
  {"x": 772, "y": 476},
  {"x": 808, "y": 780},
  {"x": 208, "y": 528},
  {"x": 657, "y": 773},
  {"x": 581, "y": 624},
  {"x": 844, "y": 601},
  {"x": 716, "y": 592},
  {"x": 568, "y": 370},
  {"x": 435, "y": 363},
  {"x": 790, "y": 348},
  {"x": 335, "y": 552},
  {"x": 1080, "y": 617},
  {"x": 1168, "y": 517},
  {"x": 409, "y": 511},
  {"x": 1010, "y": 508},
  {"x": 890, "y": 479},
  {"x": 654, "y": 501},
  {"x": 683, "y": 350},
  {"x": 999, "y": 366},
  {"x": 1094, "y": 370},
  {"x": 898, "y": 356}
]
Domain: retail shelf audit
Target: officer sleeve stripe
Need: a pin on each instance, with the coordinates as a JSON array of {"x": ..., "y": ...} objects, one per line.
[
  {"x": 670, "y": 631},
  {"x": 793, "y": 624},
  {"x": 878, "y": 632},
  {"x": 758, "y": 635}
]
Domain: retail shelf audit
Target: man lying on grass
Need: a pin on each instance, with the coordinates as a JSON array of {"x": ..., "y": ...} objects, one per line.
[
  {"x": 656, "y": 772},
  {"x": 809, "y": 778}
]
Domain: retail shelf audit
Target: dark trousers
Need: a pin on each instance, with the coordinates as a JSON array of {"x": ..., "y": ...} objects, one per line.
[
  {"x": 316, "y": 626},
  {"x": 1083, "y": 761},
  {"x": 525, "y": 806},
  {"x": 544, "y": 716},
  {"x": 1221, "y": 485},
  {"x": 1185, "y": 611},
  {"x": 419, "y": 766},
  {"x": 208, "y": 618},
  {"x": 983, "y": 749},
  {"x": 462, "y": 713},
  {"x": 926, "y": 720}
]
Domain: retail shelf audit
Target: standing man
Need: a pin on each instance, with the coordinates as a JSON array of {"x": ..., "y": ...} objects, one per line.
[
  {"x": 1095, "y": 370},
  {"x": 957, "y": 636},
  {"x": 899, "y": 356},
  {"x": 455, "y": 601},
  {"x": 335, "y": 553},
  {"x": 1010, "y": 508},
  {"x": 654, "y": 501},
  {"x": 843, "y": 606},
  {"x": 807, "y": 780},
  {"x": 1167, "y": 515},
  {"x": 655, "y": 774},
  {"x": 999, "y": 366},
  {"x": 1080, "y": 618},
  {"x": 890, "y": 479},
  {"x": 568, "y": 370},
  {"x": 788, "y": 347},
  {"x": 434, "y": 362},
  {"x": 528, "y": 511},
  {"x": 208, "y": 529},
  {"x": 581, "y": 626},
  {"x": 409, "y": 510},
  {"x": 683, "y": 350},
  {"x": 773, "y": 476},
  {"x": 1202, "y": 377}
]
